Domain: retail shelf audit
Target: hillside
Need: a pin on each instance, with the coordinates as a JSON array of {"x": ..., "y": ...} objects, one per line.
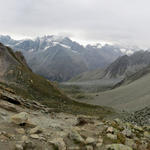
[
  {"x": 28, "y": 125},
  {"x": 16, "y": 76},
  {"x": 130, "y": 97}
]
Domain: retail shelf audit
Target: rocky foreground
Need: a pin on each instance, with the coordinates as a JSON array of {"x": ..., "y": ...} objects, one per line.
[{"x": 28, "y": 125}]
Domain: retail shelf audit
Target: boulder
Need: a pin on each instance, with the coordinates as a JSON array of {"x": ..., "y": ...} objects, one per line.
[
  {"x": 147, "y": 134},
  {"x": 90, "y": 140},
  {"x": 111, "y": 136},
  {"x": 117, "y": 147},
  {"x": 74, "y": 135},
  {"x": 110, "y": 130},
  {"x": 131, "y": 143},
  {"x": 58, "y": 144},
  {"x": 20, "y": 118},
  {"x": 89, "y": 147},
  {"x": 20, "y": 131},
  {"x": 127, "y": 132},
  {"x": 34, "y": 136},
  {"x": 35, "y": 130}
]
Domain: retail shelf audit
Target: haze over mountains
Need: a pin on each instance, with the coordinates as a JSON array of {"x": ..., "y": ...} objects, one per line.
[{"x": 59, "y": 58}]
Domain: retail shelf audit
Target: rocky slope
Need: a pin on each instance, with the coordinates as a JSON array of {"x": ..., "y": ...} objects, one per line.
[
  {"x": 26, "y": 125},
  {"x": 59, "y": 58}
]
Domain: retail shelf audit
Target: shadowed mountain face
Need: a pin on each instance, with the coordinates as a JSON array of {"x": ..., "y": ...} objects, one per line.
[
  {"x": 60, "y": 59},
  {"x": 128, "y": 65},
  {"x": 16, "y": 73}
]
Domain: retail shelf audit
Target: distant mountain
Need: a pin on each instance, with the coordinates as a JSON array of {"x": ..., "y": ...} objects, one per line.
[
  {"x": 124, "y": 70},
  {"x": 59, "y": 58},
  {"x": 128, "y": 65}
]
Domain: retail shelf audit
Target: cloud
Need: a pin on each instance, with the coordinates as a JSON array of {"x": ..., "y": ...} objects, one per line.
[{"x": 123, "y": 21}]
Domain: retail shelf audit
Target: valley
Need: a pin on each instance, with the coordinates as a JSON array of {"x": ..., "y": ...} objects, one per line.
[{"x": 110, "y": 101}]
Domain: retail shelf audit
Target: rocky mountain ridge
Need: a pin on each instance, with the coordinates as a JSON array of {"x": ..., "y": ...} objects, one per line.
[
  {"x": 59, "y": 58},
  {"x": 128, "y": 65}
]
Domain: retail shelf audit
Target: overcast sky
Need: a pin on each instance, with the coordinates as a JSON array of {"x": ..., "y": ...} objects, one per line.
[{"x": 121, "y": 21}]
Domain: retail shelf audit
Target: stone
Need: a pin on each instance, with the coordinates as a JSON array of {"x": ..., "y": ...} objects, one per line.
[
  {"x": 35, "y": 130},
  {"x": 24, "y": 138},
  {"x": 117, "y": 120},
  {"x": 20, "y": 131},
  {"x": 74, "y": 148},
  {"x": 138, "y": 128},
  {"x": 3, "y": 113},
  {"x": 130, "y": 143},
  {"x": 127, "y": 132},
  {"x": 100, "y": 140},
  {"x": 20, "y": 118},
  {"x": 8, "y": 106},
  {"x": 110, "y": 130},
  {"x": 58, "y": 144},
  {"x": 98, "y": 145},
  {"x": 117, "y": 147},
  {"x": 88, "y": 147},
  {"x": 111, "y": 136},
  {"x": 147, "y": 134},
  {"x": 74, "y": 135},
  {"x": 34, "y": 136},
  {"x": 90, "y": 140},
  {"x": 18, "y": 147},
  {"x": 82, "y": 120}
]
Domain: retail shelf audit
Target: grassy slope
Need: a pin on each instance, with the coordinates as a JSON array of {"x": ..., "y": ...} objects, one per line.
[{"x": 129, "y": 97}]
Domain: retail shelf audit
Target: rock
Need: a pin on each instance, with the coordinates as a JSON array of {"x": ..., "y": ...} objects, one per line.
[
  {"x": 18, "y": 147},
  {"x": 24, "y": 138},
  {"x": 74, "y": 148},
  {"x": 147, "y": 134},
  {"x": 30, "y": 124},
  {"x": 99, "y": 142},
  {"x": 74, "y": 135},
  {"x": 35, "y": 130},
  {"x": 111, "y": 136},
  {"x": 89, "y": 147},
  {"x": 130, "y": 143},
  {"x": 3, "y": 113},
  {"x": 117, "y": 147},
  {"x": 20, "y": 131},
  {"x": 3, "y": 138},
  {"x": 8, "y": 106},
  {"x": 34, "y": 136},
  {"x": 58, "y": 144},
  {"x": 138, "y": 128},
  {"x": 99, "y": 146},
  {"x": 127, "y": 132},
  {"x": 90, "y": 140},
  {"x": 117, "y": 120},
  {"x": 20, "y": 118},
  {"x": 82, "y": 120},
  {"x": 110, "y": 130}
]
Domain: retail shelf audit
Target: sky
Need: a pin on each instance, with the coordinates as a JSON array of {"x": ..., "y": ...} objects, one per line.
[{"x": 125, "y": 22}]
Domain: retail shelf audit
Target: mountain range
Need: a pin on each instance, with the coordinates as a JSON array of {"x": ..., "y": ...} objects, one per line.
[
  {"x": 59, "y": 58},
  {"x": 122, "y": 68}
]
